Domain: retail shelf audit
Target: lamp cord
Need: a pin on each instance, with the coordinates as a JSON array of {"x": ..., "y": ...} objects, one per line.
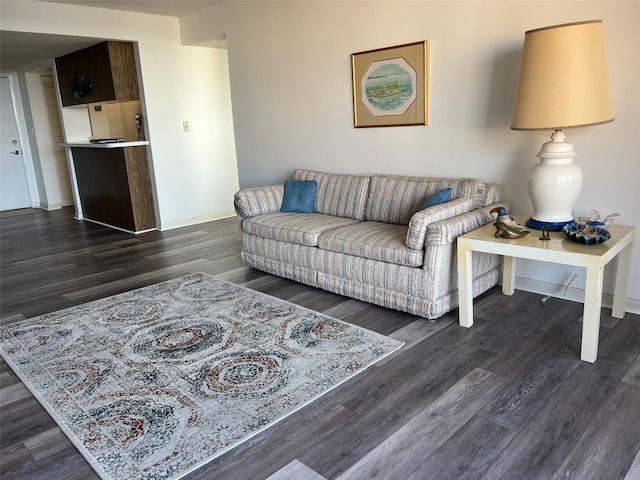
[{"x": 564, "y": 290}]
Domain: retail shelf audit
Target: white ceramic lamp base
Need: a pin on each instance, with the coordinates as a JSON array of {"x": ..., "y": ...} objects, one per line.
[{"x": 554, "y": 184}]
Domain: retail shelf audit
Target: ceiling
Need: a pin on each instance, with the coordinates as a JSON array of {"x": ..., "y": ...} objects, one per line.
[
  {"x": 28, "y": 51},
  {"x": 31, "y": 51},
  {"x": 171, "y": 8}
]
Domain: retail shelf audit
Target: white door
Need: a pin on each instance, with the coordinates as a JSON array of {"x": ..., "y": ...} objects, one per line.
[{"x": 14, "y": 192}]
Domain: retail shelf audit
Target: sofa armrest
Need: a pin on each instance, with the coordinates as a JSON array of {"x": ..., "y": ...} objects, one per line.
[
  {"x": 251, "y": 202},
  {"x": 447, "y": 231},
  {"x": 419, "y": 222}
]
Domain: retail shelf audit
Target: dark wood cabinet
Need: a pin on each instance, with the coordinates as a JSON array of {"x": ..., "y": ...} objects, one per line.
[
  {"x": 115, "y": 187},
  {"x": 109, "y": 67}
]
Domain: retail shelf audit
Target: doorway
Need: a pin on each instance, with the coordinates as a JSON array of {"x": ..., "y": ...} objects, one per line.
[{"x": 14, "y": 189}]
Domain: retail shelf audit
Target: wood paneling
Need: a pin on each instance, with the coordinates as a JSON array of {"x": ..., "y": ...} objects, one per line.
[
  {"x": 110, "y": 67},
  {"x": 123, "y": 71},
  {"x": 103, "y": 186},
  {"x": 115, "y": 186},
  {"x": 139, "y": 178}
]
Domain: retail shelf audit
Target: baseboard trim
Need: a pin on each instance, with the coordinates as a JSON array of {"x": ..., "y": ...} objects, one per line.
[
  {"x": 573, "y": 294},
  {"x": 50, "y": 207},
  {"x": 114, "y": 227},
  {"x": 195, "y": 220}
]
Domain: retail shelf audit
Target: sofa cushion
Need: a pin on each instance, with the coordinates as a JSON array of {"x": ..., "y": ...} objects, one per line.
[
  {"x": 394, "y": 199},
  {"x": 299, "y": 196},
  {"x": 339, "y": 195},
  {"x": 372, "y": 240},
  {"x": 441, "y": 196},
  {"x": 301, "y": 228},
  {"x": 492, "y": 194}
]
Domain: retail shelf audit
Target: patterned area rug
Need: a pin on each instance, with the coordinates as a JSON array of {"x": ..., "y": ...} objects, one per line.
[{"x": 156, "y": 382}]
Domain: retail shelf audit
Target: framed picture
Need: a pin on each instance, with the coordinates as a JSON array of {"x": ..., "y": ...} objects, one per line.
[{"x": 390, "y": 86}]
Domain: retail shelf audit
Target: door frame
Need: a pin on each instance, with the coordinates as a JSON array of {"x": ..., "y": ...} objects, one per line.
[{"x": 23, "y": 138}]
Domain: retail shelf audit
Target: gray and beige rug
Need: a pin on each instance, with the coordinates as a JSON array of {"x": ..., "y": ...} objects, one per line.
[{"x": 154, "y": 383}]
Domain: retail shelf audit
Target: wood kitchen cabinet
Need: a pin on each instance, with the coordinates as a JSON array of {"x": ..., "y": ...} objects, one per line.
[
  {"x": 109, "y": 67},
  {"x": 114, "y": 185}
]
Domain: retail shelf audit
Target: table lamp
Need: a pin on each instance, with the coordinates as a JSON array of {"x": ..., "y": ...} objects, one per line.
[{"x": 563, "y": 84}]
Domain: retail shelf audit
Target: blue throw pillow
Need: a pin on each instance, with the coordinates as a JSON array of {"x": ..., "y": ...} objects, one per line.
[
  {"x": 443, "y": 196},
  {"x": 299, "y": 196}
]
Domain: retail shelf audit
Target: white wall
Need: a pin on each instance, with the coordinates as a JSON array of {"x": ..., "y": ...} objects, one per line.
[
  {"x": 194, "y": 173},
  {"x": 291, "y": 91}
]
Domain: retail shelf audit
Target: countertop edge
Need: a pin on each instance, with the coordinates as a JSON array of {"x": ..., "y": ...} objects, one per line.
[{"x": 102, "y": 145}]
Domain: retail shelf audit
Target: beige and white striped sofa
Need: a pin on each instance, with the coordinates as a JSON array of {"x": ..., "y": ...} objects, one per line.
[{"x": 366, "y": 239}]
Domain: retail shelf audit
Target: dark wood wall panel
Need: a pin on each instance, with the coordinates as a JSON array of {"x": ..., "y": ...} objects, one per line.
[
  {"x": 109, "y": 66},
  {"x": 103, "y": 186},
  {"x": 115, "y": 186}
]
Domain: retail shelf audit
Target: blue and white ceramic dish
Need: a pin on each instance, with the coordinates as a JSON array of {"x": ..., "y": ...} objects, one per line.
[{"x": 590, "y": 233}]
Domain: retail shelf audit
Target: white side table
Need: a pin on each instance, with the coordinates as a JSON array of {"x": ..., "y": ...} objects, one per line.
[{"x": 557, "y": 250}]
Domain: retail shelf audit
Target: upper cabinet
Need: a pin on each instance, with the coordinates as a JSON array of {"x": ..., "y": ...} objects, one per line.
[{"x": 102, "y": 73}]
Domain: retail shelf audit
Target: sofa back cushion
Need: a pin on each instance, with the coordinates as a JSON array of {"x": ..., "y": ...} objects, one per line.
[
  {"x": 339, "y": 195},
  {"x": 492, "y": 194},
  {"x": 394, "y": 198}
]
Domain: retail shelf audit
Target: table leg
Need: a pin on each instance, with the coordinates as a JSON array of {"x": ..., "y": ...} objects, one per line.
[
  {"x": 465, "y": 288},
  {"x": 508, "y": 275},
  {"x": 591, "y": 314},
  {"x": 622, "y": 281}
]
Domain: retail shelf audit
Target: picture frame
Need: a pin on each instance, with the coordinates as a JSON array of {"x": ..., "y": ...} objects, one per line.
[{"x": 390, "y": 86}]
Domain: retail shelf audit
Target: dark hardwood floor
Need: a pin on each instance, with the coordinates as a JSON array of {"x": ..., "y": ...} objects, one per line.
[{"x": 508, "y": 398}]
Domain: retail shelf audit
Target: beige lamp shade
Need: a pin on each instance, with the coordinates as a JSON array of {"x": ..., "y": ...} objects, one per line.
[{"x": 563, "y": 78}]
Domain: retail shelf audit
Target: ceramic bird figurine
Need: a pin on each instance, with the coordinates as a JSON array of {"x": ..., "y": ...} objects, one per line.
[{"x": 506, "y": 226}]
